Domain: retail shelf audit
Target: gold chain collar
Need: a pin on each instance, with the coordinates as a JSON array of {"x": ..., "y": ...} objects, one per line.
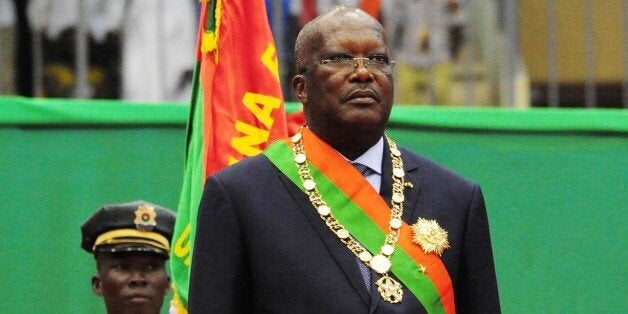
[{"x": 390, "y": 289}]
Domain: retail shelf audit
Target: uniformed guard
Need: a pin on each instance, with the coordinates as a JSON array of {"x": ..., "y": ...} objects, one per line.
[{"x": 131, "y": 244}]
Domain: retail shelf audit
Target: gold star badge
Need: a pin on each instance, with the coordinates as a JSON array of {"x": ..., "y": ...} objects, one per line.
[
  {"x": 430, "y": 236},
  {"x": 422, "y": 269},
  {"x": 145, "y": 217}
]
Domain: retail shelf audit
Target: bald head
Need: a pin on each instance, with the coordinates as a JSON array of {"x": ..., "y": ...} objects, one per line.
[{"x": 311, "y": 36}]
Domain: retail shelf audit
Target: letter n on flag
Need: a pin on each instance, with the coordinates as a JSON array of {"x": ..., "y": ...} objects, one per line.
[{"x": 236, "y": 111}]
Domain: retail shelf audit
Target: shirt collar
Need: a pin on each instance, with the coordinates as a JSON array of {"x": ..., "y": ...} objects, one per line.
[{"x": 373, "y": 157}]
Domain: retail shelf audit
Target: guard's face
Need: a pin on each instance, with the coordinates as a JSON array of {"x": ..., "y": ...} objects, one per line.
[
  {"x": 338, "y": 95},
  {"x": 131, "y": 283}
]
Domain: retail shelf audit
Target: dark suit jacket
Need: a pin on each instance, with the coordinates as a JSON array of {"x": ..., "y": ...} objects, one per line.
[{"x": 260, "y": 245}]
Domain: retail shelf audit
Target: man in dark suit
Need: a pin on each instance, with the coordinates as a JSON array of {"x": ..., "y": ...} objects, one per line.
[{"x": 338, "y": 219}]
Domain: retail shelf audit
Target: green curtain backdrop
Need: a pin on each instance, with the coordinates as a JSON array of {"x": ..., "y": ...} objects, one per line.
[{"x": 554, "y": 182}]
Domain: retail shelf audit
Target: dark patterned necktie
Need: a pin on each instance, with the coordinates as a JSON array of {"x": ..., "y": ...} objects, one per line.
[
  {"x": 364, "y": 270},
  {"x": 363, "y": 169}
]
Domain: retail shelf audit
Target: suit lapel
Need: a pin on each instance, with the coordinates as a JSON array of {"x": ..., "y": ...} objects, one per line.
[
  {"x": 411, "y": 209},
  {"x": 341, "y": 254},
  {"x": 410, "y": 212}
]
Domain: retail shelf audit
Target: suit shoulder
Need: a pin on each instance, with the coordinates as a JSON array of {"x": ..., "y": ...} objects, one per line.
[{"x": 255, "y": 166}]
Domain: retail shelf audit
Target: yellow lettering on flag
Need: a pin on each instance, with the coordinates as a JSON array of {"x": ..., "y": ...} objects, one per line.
[
  {"x": 182, "y": 246},
  {"x": 232, "y": 160},
  {"x": 269, "y": 59},
  {"x": 248, "y": 145},
  {"x": 262, "y": 107}
]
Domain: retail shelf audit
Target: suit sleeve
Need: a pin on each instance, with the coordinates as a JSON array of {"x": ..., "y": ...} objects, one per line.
[
  {"x": 219, "y": 270},
  {"x": 477, "y": 289}
]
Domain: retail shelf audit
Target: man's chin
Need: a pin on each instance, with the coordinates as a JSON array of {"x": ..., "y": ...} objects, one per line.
[
  {"x": 136, "y": 305},
  {"x": 141, "y": 304},
  {"x": 363, "y": 120}
]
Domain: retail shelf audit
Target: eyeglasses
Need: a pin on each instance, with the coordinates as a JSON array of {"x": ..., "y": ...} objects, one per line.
[{"x": 375, "y": 64}]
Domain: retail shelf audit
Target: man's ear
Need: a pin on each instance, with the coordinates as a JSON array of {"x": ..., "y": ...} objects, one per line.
[
  {"x": 298, "y": 85},
  {"x": 97, "y": 285}
]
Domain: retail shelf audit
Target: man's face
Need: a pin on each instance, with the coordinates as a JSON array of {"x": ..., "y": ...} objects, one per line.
[
  {"x": 131, "y": 283},
  {"x": 345, "y": 97}
]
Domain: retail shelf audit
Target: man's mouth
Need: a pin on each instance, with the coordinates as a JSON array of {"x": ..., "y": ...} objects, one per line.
[
  {"x": 138, "y": 297},
  {"x": 362, "y": 95}
]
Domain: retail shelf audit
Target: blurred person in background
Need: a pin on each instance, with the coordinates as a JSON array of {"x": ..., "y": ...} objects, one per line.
[
  {"x": 7, "y": 47},
  {"x": 426, "y": 36},
  {"x": 140, "y": 50}
]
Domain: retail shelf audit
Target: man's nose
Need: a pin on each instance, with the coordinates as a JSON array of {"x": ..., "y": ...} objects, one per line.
[
  {"x": 359, "y": 62},
  {"x": 361, "y": 71},
  {"x": 138, "y": 278}
]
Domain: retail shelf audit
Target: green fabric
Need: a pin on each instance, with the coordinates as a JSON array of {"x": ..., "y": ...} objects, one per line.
[
  {"x": 53, "y": 178},
  {"x": 556, "y": 197},
  {"x": 536, "y": 120},
  {"x": 360, "y": 226},
  {"x": 22, "y": 110},
  {"x": 49, "y": 111},
  {"x": 191, "y": 192}
]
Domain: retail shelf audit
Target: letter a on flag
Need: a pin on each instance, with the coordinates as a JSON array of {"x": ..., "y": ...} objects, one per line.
[{"x": 236, "y": 111}]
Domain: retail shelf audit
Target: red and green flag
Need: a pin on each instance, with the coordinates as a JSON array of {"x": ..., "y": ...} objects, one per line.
[{"x": 236, "y": 111}]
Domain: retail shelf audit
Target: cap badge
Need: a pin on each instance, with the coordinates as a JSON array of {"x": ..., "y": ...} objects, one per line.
[
  {"x": 145, "y": 218},
  {"x": 430, "y": 236}
]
